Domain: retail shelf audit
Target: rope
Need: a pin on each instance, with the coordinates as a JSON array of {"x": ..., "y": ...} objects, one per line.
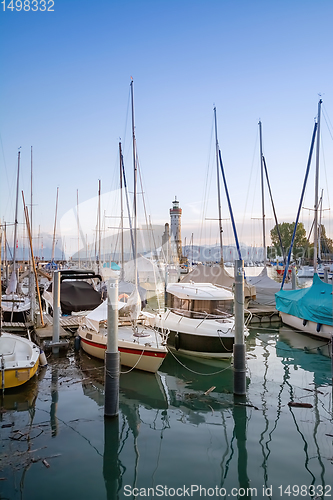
[
  {"x": 229, "y": 330},
  {"x": 193, "y": 371},
  {"x": 138, "y": 361}
]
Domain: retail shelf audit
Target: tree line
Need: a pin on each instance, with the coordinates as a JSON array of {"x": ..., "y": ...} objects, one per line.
[{"x": 302, "y": 248}]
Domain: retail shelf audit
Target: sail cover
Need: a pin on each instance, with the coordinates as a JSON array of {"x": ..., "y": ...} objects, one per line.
[{"x": 312, "y": 304}]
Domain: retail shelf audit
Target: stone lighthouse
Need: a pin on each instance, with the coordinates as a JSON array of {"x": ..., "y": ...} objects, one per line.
[{"x": 175, "y": 229}]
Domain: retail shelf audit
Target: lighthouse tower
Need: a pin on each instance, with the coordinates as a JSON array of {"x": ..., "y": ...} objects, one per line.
[{"x": 175, "y": 228}]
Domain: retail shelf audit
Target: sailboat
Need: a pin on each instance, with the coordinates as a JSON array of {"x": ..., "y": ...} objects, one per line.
[
  {"x": 19, "y": 357},
  {"x": 15, "y": 306},
  {"x": 140, "y": 345},
  {"x": 217, "y": 274},
  {"x": 266, "y": 287},
  {"x": 309, "y": 309}
]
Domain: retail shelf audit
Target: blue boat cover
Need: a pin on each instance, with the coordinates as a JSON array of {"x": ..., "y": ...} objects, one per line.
[
  {"x": 313, "y": 303},
  {"x": 114, "y": 266}
]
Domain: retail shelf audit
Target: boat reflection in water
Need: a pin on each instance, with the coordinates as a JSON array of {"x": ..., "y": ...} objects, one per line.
[
  {"x": 302, "y": 351},
  {"x": 139, "y": 392},
  {"x": 183, "y": 426},
  {"x": 142, "y": 445},
  {"x": 178, "y": 428},
  {"x": 311, "y": 357}
]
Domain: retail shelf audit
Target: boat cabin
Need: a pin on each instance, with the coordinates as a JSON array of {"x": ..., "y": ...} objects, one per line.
[{"x": 199, "y": 300}]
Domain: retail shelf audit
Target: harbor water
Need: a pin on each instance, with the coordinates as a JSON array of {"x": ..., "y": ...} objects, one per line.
[{"x": 179, "y": 433}]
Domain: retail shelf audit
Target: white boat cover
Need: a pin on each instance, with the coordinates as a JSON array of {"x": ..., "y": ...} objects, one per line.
[
  {"x": 199, "y": 291},
  {"x": 93, "y": 319}
]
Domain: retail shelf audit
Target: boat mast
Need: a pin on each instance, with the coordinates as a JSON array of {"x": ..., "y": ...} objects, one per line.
[
  {"x": 262, "y": 194},
  {"x": 31, "y": 277},
  {"x": 121, "y": 213},
  {"x": 31, "y": 196},
  {"x": 99, "y": 225},
  {"x": 315, "y": 245},
  {"x": 218, "y": 187},
  {"x": 1, "y": 280},
  {"x": 5, "y": 254},
  {"x": 16, "y": 210},
  {"x": 55, "y": 225},
  {"x": 319, "y": 225},
  {"x": 135, "y": 184},
  {"x": 78, "y": 227}
]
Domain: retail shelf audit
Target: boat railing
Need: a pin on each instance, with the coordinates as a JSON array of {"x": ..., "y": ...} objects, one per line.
[
  {"x": 248, "y": 318},
  {"x": 203, "y": 315}
]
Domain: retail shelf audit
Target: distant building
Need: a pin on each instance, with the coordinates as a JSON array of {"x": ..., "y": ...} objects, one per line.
[{"x": 175, "y": 229}]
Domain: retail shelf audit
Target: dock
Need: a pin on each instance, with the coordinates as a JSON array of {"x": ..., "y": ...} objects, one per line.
[
  {"x": 15, "y": 326},
  {"x": 68, "y": 327},
  {"x": 264, "y": 314}
]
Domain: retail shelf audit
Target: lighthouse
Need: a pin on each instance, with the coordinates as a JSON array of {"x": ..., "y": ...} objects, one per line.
[{"x": 175, "y": 228}]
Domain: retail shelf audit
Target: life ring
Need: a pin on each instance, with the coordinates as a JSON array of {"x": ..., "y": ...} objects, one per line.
[{"x": 123, "y": 296}]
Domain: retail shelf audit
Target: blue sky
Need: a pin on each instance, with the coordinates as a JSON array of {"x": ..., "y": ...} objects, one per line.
[{"x": 65, "y": 91}]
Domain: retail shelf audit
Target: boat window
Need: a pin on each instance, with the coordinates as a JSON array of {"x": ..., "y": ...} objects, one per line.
[
  {"x": 213, "y": 307},
  {"x": 200, "y": 308}
]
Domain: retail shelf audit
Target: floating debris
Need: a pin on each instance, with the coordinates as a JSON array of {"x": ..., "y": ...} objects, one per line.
[
  {"x": 300, "y": 405},
  {"x": 210, "y": 390}
]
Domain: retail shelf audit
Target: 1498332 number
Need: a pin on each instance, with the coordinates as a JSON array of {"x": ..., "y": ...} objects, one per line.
[
  {"x": 26, "y": 5},
  {"x": 305, "y": 491}
]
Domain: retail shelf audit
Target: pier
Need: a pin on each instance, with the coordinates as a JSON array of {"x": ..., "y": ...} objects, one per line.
[{"x": 264, "y": 314}]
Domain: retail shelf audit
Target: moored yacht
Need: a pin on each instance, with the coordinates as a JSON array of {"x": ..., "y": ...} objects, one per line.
[{"x": 198, "y": 320}]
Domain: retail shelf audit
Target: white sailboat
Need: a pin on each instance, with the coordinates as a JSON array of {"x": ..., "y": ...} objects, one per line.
[{"x": 139, "y": 343}]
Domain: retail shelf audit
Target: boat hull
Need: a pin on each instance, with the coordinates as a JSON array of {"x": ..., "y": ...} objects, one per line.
[
  {"x": 141, "y": 357},
  {"x": 204, "y": 338},
  {"x": 20, "y": 360},
  {"x": 15, "y": 378},
  {"x": 309, "y": 327},
  {"x": 201, "y": 346}
]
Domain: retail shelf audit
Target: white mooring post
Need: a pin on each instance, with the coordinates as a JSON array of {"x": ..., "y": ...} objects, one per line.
[
  {"x": 239, "y": 344},
  {"x": 293, "y": 278},
  {"x": 112, "y": 358},
  {"x": 56, "y": 311},
  {"x": 326, "y": 274}
]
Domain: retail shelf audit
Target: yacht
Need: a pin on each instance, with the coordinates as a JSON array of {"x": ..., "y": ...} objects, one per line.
[{"x": 198, "y": 320}]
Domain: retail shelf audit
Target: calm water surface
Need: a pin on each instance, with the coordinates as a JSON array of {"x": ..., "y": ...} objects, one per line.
[{"x": 170, "y": 436}]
